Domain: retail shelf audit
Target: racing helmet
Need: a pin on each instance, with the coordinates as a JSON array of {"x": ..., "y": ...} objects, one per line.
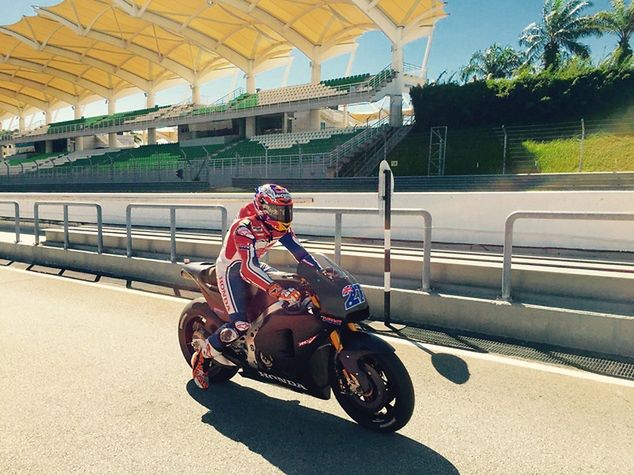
[{"x": 274, "y": 205}]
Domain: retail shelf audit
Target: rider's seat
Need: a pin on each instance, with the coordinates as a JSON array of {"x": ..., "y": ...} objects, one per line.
[{"x": 203, "y": 271}]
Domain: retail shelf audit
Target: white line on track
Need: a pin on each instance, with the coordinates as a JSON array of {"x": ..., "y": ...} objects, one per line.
[{"x": 537, "y": 366}]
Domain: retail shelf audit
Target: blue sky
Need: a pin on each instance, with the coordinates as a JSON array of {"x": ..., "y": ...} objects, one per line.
[{"x": 471, "y": 25}]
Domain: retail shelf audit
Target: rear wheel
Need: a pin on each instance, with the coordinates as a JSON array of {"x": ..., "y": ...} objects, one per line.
[
  {"x": 389, "y": 403},
  {"x": 198, "y": 320}
]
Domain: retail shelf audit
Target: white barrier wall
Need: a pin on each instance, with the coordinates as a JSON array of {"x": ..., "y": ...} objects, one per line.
[{"x": 471, "y": 218}]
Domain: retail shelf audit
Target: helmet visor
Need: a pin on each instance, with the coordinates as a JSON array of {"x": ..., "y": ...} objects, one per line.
[{"x": 281, "y": 213}]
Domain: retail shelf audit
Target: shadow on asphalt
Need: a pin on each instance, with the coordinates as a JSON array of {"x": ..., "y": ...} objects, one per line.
[
  {"x": 300, "y": 440},
  {"x": 451, "y": 367}
]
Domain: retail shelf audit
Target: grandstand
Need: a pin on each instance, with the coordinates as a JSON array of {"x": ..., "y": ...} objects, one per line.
[{"x": 121, "y": 48}]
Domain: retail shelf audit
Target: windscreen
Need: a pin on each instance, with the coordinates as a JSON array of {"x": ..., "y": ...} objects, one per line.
[{"x": 339, "y": 293}]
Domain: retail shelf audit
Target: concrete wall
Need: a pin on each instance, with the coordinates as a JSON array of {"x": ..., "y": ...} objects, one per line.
[
  {"x": 473, "y": 218},
  {"x": 596, "y": 332}
]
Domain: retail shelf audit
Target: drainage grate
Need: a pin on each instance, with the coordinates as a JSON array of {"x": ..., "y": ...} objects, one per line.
[{"x": 604, "y": 365}]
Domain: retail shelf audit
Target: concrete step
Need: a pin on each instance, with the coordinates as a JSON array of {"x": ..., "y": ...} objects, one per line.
[{"x": 593, "y": 285}]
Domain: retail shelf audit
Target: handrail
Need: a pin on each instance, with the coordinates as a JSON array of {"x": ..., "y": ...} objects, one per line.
[
  {"x": 338, "y": 212},
  {"x": 16, "y": 217},
  {"x": 513, "y": 217},
  {"x": 172, "y": 209},
  {"x": 66, "y": 205},
  {"x": 383, "y": 150}
]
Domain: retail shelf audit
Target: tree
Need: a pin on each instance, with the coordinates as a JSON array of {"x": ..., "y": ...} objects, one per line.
[
  {"x": 495, "y": 62},
  {"x": 558, "y": 33},
  {"x": 619, "y": 21}
]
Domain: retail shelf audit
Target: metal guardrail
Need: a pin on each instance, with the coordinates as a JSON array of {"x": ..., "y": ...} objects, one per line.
[
  {"x": 16, "y": 217},
  {"x": 66, "y": 206},
  {"x": 338, "y": 213},
  {"x": 513, "y": 217},
  {"x": 172, "y": 209}
]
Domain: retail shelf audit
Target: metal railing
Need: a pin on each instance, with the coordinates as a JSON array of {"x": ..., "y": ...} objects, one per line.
[
  {"x": 520, "y": 144},
  {"x": 338, "y": 213},
  {"x": 66, "y": 206},
  {"x": 513, "y": 217},
  {"x": 172, "y": 209},
  {"x": 16, "y": 217}
]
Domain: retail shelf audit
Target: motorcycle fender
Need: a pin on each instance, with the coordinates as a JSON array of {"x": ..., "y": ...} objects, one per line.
[
  {"x": 356, "y": 345},
  {"x": 361, "y": 341}
]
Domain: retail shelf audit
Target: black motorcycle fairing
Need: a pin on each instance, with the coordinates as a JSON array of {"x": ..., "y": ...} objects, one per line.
[
  {"x": 361, "y": 341},
  {"x": 334, "y": 287},
  {"x": 314, "y": 380},
  {"x": 290, "y": 340}
]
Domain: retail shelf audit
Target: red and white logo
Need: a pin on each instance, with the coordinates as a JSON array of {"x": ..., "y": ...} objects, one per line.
[{"x": 308, "y": 341}]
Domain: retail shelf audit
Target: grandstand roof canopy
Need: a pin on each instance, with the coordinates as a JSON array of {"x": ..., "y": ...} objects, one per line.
[{"x": 78, "y": 50}]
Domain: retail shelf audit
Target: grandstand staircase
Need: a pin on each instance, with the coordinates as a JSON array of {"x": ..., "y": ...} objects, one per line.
[
  {"x": 519, "y": 167},
  {"x": 367, "y": 157}
]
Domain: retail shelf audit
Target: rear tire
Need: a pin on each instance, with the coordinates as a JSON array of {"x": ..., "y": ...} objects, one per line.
[
  {"x": 391, "y": 402},
  {"x": 198, "y": 318}
]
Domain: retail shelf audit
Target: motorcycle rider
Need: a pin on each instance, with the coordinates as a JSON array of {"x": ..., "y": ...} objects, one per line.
[{"x": 258, "y": 226}]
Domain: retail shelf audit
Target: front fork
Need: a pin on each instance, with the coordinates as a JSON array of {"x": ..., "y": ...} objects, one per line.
[{"x": 356, "y": 379}]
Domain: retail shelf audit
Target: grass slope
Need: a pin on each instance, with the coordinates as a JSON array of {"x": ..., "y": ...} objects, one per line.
[{"x": 601, "y": 153}]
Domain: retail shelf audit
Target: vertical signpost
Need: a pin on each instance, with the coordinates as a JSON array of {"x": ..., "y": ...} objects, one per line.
[{"x": 386, "y": 187}]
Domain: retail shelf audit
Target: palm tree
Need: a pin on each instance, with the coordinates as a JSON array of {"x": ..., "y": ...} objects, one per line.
[
  {"x": 493, "y": 63},
  {"x": 558, "y": 34},
  {"x": 619, "y": 21}
]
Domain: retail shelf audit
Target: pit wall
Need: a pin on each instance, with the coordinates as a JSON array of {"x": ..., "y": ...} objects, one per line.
[{"x": 469, "y": 218}]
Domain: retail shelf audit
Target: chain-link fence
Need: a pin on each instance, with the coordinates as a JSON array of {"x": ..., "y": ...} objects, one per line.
[
  {"x": 584, "y": 145},
  {"x": 564, "y": 147}
]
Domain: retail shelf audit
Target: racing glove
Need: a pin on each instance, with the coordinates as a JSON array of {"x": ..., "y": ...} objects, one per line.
[{"x": 290, "y": 296}]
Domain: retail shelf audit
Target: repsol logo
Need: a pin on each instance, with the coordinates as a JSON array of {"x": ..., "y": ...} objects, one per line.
[{"x": 288, "y": 382}]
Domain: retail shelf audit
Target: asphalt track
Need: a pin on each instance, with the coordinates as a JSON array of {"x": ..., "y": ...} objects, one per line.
[{"x": 92, "y": 381}]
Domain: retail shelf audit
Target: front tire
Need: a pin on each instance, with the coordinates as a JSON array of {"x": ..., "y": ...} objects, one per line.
[
  {"x": 389, "y": 405},
  {"x": 198, "y": 319}
]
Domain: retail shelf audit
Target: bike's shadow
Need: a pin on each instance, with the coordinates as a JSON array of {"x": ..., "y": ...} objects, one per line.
[{"x": 300, "y": 440}]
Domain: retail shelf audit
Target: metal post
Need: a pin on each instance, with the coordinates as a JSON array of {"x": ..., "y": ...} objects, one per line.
[
  {"x": 338, "y": 232},
  {"x": 173, "y": 234},
  {"x": 66, "y": 234},
  {"x": 388, "y": 246},
  {"x": 508, "y": 255},
  {"x": 505, "y": 149},
  {"x": 17, "y": 223},
  {"x": 427, "y": 252},
  {"x": 128, "y": 224},
  {"x": 223, "y": 214},
  {"x": 36, "y": 223},
  {"x": 99, "y": 230},
  {"x": 583, "y": 137}
]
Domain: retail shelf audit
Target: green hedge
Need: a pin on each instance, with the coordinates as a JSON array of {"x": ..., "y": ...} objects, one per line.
[{"x": 543, "y": 98}]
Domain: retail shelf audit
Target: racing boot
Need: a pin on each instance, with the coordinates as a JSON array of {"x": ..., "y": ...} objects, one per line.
[{"x": 204, "y": 355}]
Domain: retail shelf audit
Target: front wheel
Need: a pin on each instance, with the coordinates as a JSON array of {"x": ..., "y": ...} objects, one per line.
[
  {"x": 389, "y": 404},
  {"x": 198, "y": 320}
]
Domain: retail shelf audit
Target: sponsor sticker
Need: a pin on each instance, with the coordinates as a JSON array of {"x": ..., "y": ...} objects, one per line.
[
  {"x": 332, "y": 321},
  {"x": 308, "y": 341}
]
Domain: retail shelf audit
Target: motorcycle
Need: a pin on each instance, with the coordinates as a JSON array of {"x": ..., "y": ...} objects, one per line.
[{"x": 314, "y": 347}]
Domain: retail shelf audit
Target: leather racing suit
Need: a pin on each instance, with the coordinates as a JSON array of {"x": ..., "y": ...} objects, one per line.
[{"x": 238, "y": 266}]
